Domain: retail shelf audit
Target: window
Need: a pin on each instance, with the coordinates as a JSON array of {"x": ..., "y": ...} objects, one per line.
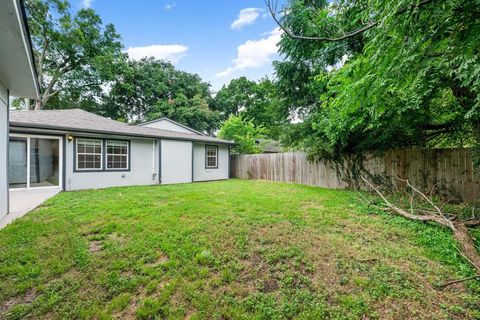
[
  {"x": 117, "y": 155},
  {"x": 89, "y": 154},
  {"x": 211, "y": 157}
]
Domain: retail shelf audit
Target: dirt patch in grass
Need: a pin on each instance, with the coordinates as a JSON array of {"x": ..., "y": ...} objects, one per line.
[
  {"x": 161, "y": 259},
  {"x": 27, "y": 298},
  {"x": 270, "y": 285},
  {"x": 130, "y": 311},
  {"x": 95, "y": 246},
  {"x": 311, "y": 205},
  {"x": 118, "y": 238}
]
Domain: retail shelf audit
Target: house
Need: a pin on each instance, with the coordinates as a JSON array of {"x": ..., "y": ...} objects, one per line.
[
  {"x": 74, "y": 149},
  {"x": 17, "y": 78},
  {"x": 169, "y": 124}
]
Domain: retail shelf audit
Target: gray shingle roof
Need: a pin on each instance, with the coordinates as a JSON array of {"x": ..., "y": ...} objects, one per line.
[{"x": 82, "y": 121}]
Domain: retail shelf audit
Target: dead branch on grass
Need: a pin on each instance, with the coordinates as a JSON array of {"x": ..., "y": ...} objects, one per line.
[
  {"x": 446, "y": 284},
  {"x": 458, "y": 228}
]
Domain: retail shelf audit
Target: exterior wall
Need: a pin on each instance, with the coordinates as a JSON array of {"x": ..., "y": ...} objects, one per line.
[
  {"x": 200, "y": 173},
  {"x": 3, "y": 150},
  {"x": 143, "y": 168},
  {"x": 176, "y": 161},
  {"x": 167, "y": 125}
]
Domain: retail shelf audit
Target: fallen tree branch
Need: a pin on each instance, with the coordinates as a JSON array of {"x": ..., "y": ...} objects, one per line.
[
  {"x": 475, "y": 222},
  {"x": 405, "y": 214},
  {"x": 440, "y": 213},
  {"x": 446, "y": 284},
  {"x": 459, "y": 228}
]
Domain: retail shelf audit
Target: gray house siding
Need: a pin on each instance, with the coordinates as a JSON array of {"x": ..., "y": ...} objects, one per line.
[
  {"x": 143, "y": 168},
  {"x": 152, "y": 160},
  {"x": 176, "y": 161},
  {"x": 3, "y": 151},
  {"x": 170, "y": 125},
  {"x": 200, "y": 172}
]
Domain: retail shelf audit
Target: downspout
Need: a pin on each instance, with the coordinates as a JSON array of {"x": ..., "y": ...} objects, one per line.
[
  {"x": 7, "y": 160},
  {"x": 159, "y": 161},
  {"x": 229, "y": 162},
  {"x": 154, "y": 174}
]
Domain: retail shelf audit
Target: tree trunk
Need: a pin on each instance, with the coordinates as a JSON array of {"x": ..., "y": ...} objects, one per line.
[
  {"x": 468, "y": 247},
  {"x": 38, "y": 104},
  {"x": 26, "y": 105}
]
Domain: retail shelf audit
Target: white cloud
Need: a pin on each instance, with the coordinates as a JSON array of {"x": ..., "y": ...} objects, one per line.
[
  {"x": 169, "y": 6},
  {"x": 246, "y": 17},
  {"x": 254, "y": 53},
  {"x": 170, "y": 52},
  {"x": 86, "y": 4}
]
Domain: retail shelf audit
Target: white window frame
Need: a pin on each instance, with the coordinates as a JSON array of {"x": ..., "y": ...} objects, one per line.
[
  {"x": 207, "y": 147},
  {"x": 127, "y": 156},
  {"x": 88, "y": 153}
]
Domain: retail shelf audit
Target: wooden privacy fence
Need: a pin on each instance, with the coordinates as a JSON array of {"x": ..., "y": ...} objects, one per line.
[{"x": 447, "y": 171}]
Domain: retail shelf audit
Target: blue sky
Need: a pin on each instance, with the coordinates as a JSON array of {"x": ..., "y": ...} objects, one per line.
[{"x": 218, "y": 39}]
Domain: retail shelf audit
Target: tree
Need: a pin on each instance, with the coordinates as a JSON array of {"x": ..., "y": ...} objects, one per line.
[
  {"x": 256, "y": 101},
  {"x": 234, "y": 97},
  {"x": 243, "y": 132},
  {"x": 391, "y": 74},
  {"x": 149, "y": 89},
  {"x": 74, "y": 53},
  {"x": 193, "y": 112}
]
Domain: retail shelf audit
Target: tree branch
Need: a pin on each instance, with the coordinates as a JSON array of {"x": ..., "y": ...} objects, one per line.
[
  {"x": 440, "y": 213},
  {"x": 459, "y": 229},
  {"x": 403, "y": 213},
  {"x": 272, "y": 8},
  {"x": 477, "y": 276}
]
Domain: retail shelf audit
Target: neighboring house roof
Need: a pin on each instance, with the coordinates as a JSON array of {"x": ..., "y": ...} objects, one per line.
[
  {"x": 269, "y": 146},
  {"x": 77, "y": 120},
  {"x": 171, "y": 121},
  {"x": 17, "y": 67}
]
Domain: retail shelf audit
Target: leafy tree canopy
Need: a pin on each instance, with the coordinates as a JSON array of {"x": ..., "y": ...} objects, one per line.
[
  {"x": 243, "y": 132},
  {"x": 75, "y": 54},
  {"x": 256, "y": 101},
  {"x": 149, "y": 89},
  {"x": 373, "y": 75}
]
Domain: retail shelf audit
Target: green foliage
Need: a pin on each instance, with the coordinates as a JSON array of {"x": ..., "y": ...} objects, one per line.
[
  {"x": 75, "y": 54},
  {"x": 411, "y": 81},
  {"x": 149, "y": 89},
  {"x": 243, "y": 132},
  {"x": 256, "y": 101}
]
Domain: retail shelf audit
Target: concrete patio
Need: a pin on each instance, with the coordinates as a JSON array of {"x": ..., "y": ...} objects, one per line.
[{"x": 23, "y": 201}]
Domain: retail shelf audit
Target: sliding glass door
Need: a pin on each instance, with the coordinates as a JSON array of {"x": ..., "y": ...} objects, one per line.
[
  {"x": 17, "y": 162},
  {"x": 35, "y": 161}
]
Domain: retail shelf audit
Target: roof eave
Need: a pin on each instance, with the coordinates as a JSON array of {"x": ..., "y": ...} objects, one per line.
[
  {"x": 18, "y": 70},
  {"x": 29, "y": 46},
  {"x": 67, "y": 129}
]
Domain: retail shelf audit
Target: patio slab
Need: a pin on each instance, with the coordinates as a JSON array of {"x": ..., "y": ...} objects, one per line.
[{"x": 23, "y": 201}]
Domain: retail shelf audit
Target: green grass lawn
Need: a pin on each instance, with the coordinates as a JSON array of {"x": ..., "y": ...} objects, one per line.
[{"x": 227, "y": 250}]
